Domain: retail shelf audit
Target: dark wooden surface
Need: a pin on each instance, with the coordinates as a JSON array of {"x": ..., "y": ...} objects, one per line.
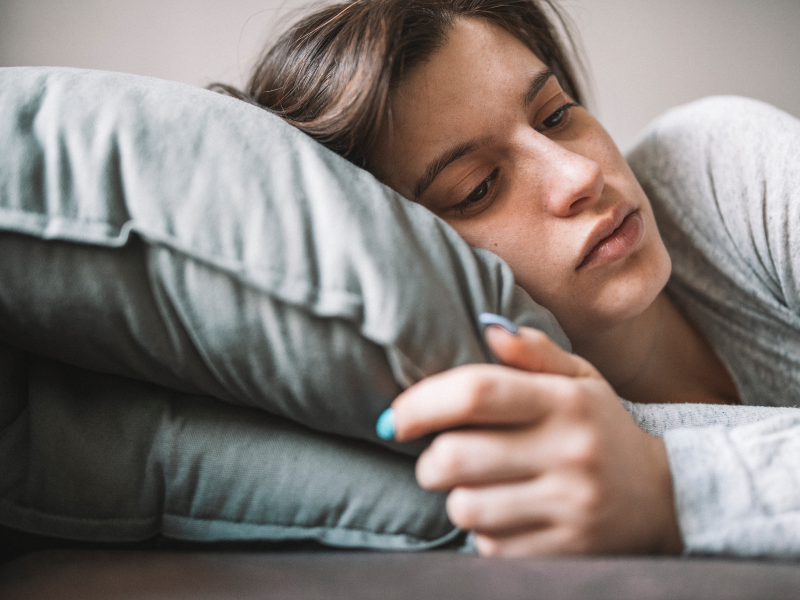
[{"x": 93, "y": 575}]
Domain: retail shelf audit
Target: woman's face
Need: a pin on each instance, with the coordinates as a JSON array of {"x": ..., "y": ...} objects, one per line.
[{"x": 483, "y": 136}]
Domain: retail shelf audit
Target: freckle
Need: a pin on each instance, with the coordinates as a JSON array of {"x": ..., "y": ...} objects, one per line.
[{"x": 495, "y": 243}]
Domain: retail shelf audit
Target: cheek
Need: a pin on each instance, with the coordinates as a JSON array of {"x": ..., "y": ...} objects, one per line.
[
  {"x": 536, "y": 262},
  {"x": 513, "y": 242},
  {"x": 544, "y": 282},
  {"x": 530, "y": 244}
]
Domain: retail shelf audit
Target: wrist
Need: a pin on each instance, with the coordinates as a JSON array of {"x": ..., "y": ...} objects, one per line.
[{"x": 669, "y": 540}]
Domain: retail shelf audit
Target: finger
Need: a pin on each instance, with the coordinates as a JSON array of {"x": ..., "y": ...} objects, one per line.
[
  {"x": 481, "y": 457},
  {"x": 504, "y": 508},
  {"x": 532, "y": 350},
  {"x": 476, "y": 395},
  {"x": 475, "y": 458}
]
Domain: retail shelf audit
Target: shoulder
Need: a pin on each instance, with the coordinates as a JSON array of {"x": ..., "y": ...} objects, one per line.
[
  {"x": 703, "y": 125},
  {"x": 723, "y": 176},
  {"x": 718, "y": 154}
]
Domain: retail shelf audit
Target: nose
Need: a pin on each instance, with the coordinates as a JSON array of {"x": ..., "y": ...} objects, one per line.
[{"x": 571, "y": 182}]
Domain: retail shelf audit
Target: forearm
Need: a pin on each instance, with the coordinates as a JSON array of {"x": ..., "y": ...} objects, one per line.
[
  {"x": 735, "y": 475},
  {"x": 737, "y": 490}
]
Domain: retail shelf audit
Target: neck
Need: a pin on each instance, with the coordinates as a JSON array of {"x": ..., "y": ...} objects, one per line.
[{"x": 659, "y": 357}]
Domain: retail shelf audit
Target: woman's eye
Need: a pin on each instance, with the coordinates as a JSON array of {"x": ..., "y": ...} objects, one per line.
[
  {"x": 479, "y": 194},
  {"x": 555, "y": 119}
]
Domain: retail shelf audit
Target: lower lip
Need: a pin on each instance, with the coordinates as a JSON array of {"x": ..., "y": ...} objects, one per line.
[{"x": 618, "y": 244}]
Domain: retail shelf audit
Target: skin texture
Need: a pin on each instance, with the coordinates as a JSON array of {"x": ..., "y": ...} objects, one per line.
[{"x": 538, "y": 455}]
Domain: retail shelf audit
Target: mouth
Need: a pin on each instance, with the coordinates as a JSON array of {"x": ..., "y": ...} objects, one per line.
[{"x": 612, "y": 238}]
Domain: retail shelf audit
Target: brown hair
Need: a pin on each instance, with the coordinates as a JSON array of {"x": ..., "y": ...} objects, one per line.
[{"x": 331, "y": 74}]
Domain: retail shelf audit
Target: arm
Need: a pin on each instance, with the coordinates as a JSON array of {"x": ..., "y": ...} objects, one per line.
[
  {"x": 734, "y": 472},
  {"x": 556, "y": 464},
  {"x": 737, "y": 490}
]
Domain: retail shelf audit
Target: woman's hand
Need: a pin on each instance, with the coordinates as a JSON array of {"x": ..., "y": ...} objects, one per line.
[{"x": 539, "y": 456}]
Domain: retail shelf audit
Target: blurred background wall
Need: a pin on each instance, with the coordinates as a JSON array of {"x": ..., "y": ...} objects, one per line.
[{"x": 645, "y": 55}]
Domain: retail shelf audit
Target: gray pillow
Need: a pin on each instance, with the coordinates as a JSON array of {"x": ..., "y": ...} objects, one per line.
[
  {"x": 166, "y": 246},
  {"x": 102, "y": 458},
  {"x": 216, "y": 250}
]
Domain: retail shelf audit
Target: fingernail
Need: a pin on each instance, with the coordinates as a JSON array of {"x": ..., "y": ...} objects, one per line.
[
  {"x": 498, "y": 321},
  {"x": 385, "y": 425}
]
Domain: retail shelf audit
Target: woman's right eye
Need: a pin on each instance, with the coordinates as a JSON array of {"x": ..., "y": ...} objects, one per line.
[{"x": 478, "y": 195}]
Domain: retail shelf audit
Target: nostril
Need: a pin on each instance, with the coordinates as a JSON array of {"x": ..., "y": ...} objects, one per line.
[{"x": 578, "y": 204}]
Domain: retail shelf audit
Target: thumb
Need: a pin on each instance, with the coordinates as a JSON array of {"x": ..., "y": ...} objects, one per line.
[{"x": 532, "y": 350}]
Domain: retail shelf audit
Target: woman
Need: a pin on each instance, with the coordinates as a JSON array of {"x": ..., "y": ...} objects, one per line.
[{"x": 471, "y": 108}]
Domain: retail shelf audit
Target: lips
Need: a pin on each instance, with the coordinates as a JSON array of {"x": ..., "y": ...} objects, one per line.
[{"x": 612, "y": 238}]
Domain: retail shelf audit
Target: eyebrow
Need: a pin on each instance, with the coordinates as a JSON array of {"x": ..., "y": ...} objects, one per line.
[
  {"x": 536, "y": 86},
  {"x": 450, "y": 155}
]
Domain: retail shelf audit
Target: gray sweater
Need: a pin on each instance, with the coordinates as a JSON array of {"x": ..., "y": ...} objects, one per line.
[{"x": 723, "y": 175}]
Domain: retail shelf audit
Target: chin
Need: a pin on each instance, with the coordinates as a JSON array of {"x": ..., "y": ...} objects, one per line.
[
  {"x": 620, "y": 299},
  {"x": 635, "y": 293}
]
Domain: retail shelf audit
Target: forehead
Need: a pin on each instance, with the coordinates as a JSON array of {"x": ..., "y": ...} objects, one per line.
[
  {"x": 467, "y": 89},
  {"x": 476, "y": 53}
]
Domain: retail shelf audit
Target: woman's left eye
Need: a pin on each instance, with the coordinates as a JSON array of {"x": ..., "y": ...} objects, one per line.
[{"x": 555, "y": 119}]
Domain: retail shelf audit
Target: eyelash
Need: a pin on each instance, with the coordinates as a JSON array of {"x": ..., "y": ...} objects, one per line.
[
  {"x": 466, "y": 202},
  {"x": 560, "y": 112}
]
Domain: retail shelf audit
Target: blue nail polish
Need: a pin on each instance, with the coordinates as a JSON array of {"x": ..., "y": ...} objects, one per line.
[
  {"x": 385, "y": 425},
  {"x": 493, "y": 319}
]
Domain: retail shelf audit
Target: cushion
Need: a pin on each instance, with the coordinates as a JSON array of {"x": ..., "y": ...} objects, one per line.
[
  {"x": 165, "y": 248},
  {"x": 216, "y": 250},
  {"x": 102, "y": 458}
]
